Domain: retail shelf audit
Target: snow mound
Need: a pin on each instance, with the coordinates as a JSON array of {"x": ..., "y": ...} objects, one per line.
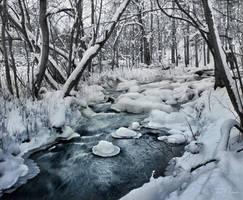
[
  {"x": 68, "y": 133},
  {"x": 11, "y": 168},
  {"x": 125, "y": 133},
  {"x": 137, "y": 103},
  {"x": 157, "y": 189},
  {"x": 126, "y": 85},
  {"x": 173, "y": 139},
  {"x": 194, "y": 147},
  {"x": 93, "y": 94},
  {"x": 158, "y": 118},
  {"x": 105, "y": 149}
]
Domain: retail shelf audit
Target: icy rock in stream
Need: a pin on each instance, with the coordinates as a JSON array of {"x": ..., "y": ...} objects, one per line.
[
  {"x": 68, "y": 133},
  {"x": 159, "y": 118},
  {"x": 88, "y": 112},
  {"x": 125, "y": 133},
  {"x": 138, "y": 103},
  {"x": 173, "y": 139},
  {"x": 105, "y": 149},
  {"x": 135, "y": 126}
]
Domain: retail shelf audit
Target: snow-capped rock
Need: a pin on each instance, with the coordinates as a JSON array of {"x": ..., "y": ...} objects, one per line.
[
  {"x": 105, "y": 149},
  {"x": 135, "y": 126},
  {"x": 173, "y": 139},
  {"x": 125, "y": 133},
  {"x": 68, "y": 133}
]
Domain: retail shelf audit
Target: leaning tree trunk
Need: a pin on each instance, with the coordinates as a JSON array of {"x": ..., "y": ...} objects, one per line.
[
  {"x": 222, "y": 66},
  {"x": 44, "y": 48},
  {"x": 92, "y": 51}
]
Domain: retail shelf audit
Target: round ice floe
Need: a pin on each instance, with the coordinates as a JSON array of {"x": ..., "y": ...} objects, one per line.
[
  {"x": 105, "y": 149},
  {"x": 125, "y": 133}
]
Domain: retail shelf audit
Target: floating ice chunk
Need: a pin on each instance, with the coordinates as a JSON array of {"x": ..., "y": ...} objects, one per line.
[
  {"x": 173, "y": 139},
  {"x": 105, "y": 149},
  {"x": 125, "y": 133}
]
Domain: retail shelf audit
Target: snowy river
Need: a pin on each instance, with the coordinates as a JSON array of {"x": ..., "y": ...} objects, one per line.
[{"x": 70, "y": 171}]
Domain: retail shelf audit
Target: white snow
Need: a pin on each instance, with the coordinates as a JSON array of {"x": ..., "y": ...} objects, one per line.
[
  {"x": 15, "y": 123},
  {"x": 139, "y": 103},
  {"x": 11, "y": 168},
  {"x": 173, "y": 139},
  {"x": 135, "y": 126},
  {"x": 126, "y": 85},
  {"x": 159, "y": 119},
  {"x": 105, "y": 149},
  {"x": 67, "y": 133},
  {"x": 207, "y": 116},
  {"x": 123, "y": 132}
]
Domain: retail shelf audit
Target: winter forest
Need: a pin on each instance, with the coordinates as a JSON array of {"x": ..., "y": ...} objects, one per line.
[{"x": 121, "y": 99}]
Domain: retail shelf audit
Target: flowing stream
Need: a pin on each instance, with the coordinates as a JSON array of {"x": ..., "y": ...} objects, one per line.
[{"x": 69, "y": 170}]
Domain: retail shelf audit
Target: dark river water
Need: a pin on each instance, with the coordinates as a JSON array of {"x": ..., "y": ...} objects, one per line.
[{"x": 69, "y": 170}]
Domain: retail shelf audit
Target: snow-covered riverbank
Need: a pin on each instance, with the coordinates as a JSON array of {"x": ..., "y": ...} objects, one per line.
[
  {"x": 187, "y": 107},
  {"x": 204, "y": 171}
]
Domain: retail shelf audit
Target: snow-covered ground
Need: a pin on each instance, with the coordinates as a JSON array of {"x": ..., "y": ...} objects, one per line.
[
  {"x": 27, "y": 126},
  {"x": 206, "y": 170},
  {"x": 191, "y": 111}
]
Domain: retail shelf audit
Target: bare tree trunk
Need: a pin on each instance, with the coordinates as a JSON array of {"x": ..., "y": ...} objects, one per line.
[
  {"x": 204, "y": 54},
  {"x": 10, "y": 41},
  {"x": 145, "y": 43},
  {"x": 220, "y": 59},
  {"x": 151, "y": 30},
  {"x": 5, "y": 50},
  {"x": 208, "y": 55},
  {"x": 45, "y": 46},
  {"x": 92, "y": 51},
  {"x": 188, "y": 45},
  {"x": 196, "y": 51},
  {"x": 173, "y": 38},
  {"x": 159, "y": 40}
]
